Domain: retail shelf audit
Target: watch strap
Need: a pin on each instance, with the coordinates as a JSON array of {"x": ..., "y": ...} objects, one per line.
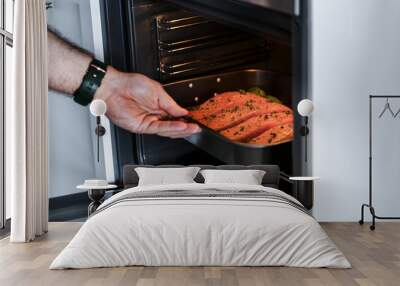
[{"x": 90, "y": 83}]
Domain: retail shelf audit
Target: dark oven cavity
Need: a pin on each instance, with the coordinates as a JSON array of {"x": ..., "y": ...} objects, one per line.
[{"x": 198, "y": 48}]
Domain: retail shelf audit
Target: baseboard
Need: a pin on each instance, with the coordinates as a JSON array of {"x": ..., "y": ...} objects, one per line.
[
  {"x": 68, "y": 200},
  {"x": 5, "y": 231}
]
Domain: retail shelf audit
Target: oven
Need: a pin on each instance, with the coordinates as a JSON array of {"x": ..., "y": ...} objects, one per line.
[{"x": 196, "y": 47}]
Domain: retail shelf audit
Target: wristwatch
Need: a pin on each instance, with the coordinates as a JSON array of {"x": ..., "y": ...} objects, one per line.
[{"x": 90, "y": 83}]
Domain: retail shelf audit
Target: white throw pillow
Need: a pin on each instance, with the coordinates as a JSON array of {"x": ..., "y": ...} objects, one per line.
[
  {"x": 248, "y": 177},
  {"x": 165, "y": 176}
]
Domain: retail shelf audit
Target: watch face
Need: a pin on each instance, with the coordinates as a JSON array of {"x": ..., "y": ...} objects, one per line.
[{"x": 99, "y": 68}]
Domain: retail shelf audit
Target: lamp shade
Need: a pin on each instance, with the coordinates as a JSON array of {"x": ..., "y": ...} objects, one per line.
[
  {"x": 305, "y": 107},
  {"x": 98, "y": 107}
]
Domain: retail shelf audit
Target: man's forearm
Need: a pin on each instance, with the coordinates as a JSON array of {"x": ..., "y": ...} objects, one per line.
[
  {"x": 67, "y": 65},
  {"x": 134, "y": 102}
]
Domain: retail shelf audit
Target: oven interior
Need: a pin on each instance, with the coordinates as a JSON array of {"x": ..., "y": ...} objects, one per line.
[{"x": 178, "y": 47}]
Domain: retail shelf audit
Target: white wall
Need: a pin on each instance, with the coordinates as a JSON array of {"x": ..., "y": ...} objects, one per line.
[
  {"x": 355, "y": 51},
  {"x": 70, "y": 134}
]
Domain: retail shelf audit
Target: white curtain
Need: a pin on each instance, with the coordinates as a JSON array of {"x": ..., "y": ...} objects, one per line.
[{"x": 26, "y": 122}]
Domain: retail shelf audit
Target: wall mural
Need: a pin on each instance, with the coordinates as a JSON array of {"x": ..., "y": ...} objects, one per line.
[{"x": 241, "y": 86}]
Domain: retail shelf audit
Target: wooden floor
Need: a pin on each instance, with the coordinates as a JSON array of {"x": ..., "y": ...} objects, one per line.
[{"x": 375, "y": 257}]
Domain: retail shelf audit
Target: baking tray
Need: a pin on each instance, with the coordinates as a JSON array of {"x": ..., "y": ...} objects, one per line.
[{"x": 197, "y": 90}]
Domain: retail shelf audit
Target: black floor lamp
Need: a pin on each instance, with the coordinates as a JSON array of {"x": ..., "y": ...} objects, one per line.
[
  {"x": 305, "y": 109},
  {"x": 98, "y": 108}
]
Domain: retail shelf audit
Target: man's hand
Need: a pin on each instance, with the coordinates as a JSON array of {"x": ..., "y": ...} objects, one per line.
[
  {"x": 139, "y": 104},
  {"x": 134, "y": 102}
]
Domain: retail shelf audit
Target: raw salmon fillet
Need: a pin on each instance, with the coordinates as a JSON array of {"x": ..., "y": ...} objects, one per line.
[
  {"x": 278, "y": 134},
  {"x": 239, "y": 114},
  {"x": 231, "y": 117},
  {"x": 256, "y": 125},
  {"x": 245, "y": 117},
  {"x": 224, "y": 101}
]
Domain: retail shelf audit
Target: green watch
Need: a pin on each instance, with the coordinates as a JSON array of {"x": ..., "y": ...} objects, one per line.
[{"x": 90, "y": 83}]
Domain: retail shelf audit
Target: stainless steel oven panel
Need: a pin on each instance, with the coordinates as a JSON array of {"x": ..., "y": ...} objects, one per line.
[{"x": 283, "y": 6}]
